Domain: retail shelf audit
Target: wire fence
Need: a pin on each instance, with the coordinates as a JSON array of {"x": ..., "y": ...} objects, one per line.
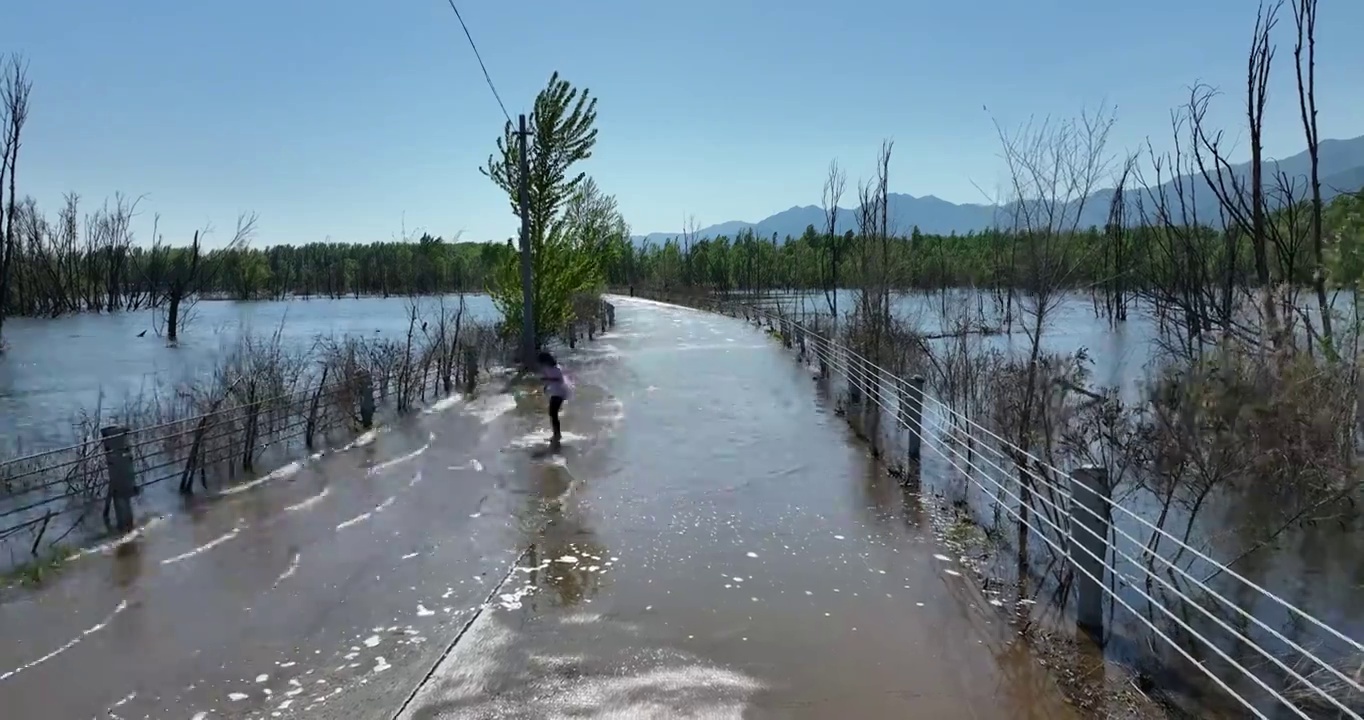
[
  {"x": 58, "y": 496},
  {"x": 264, "y": 413},
  {"x": 1270, "y": 657}
]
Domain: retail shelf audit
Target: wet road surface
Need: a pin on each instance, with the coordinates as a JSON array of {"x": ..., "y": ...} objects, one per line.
[{"x": 712, "y": 543}]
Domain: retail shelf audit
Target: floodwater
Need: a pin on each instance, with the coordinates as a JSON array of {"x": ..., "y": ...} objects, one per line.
[
  {"x": 711, "y": 542},
  {"x": 1314, "y": 568},
  {"x": 55, "y": 368}
]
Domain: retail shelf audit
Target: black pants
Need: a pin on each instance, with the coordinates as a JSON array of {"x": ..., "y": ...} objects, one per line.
[{"x": 555, "y": 403}]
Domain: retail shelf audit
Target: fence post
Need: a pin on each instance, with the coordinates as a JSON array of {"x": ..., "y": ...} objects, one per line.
[
  {"x": 365, "y": 386},
  {"x": 118, "y": 458},
  {"x": 1090, "y": 518},
  {"x": 914, "y": 416}
]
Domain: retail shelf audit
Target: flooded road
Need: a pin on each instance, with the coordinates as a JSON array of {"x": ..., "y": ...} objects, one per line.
[{"x": 712, "y": 543}]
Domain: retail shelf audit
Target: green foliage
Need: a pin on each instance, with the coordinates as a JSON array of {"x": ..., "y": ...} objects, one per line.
[
  {"x": 576, "y": 231},
  {"x": 991, "y": 258}
]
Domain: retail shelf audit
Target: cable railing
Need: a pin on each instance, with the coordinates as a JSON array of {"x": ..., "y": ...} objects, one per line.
[
  {"x": 1073, "y": 516},
  {"x": 49, "y": 496}
]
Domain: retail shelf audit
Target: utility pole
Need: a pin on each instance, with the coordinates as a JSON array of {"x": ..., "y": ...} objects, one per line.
[{"x": 527, "y": 312}]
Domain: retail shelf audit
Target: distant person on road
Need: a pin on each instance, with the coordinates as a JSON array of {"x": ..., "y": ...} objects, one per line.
[{"x": 557, "y": 389}]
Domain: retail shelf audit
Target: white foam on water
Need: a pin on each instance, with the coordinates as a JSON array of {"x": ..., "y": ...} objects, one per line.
[
  {"x": 940, "y": 556},
  {"x": 204, "y": 548},
  {"x": 380, "y": 664},
  {"x": 491, "y": 407},
  {"x": 542, "y": 436},
  {"x": 308, "y": 502},
  {"x": 236, "y": 696},
  {"x": 567, "y": 559},
  {"x": 357, "y": 519},
  {"x": 612, "y": 412},
  {"x": 372, "y": 641},
  {"x": 512, "y": 600},
  {"x": 383, "y": 505},
  {"x": 422, "y": 611},
  {"x": 278, "y": 473},
  {"x": 409, "y": 556},
  {"x": 122, "y": 605},
  {"x": 443, "y": 404},
  {"x": 289, "y": 571},
  {"x": 952, "y": 572},
  {"x": 415, "y": 479},
  {"x": 118, "y": 542},
  {"x": 752, "y": 554},
  {"x": 380, "y": 467}
]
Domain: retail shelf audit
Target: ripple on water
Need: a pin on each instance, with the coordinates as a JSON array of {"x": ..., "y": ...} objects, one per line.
[{"x": 490, "y": 407}]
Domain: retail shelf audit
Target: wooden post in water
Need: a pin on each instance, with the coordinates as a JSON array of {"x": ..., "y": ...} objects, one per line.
[
  {"x": 1090, "y": 518},
  {"x": 118, "y": 459},
  {"x": 914, "y": 416},
  {"x": 365, "y": 387}
]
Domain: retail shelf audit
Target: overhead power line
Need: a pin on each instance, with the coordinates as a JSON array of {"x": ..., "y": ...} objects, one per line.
[{"x": 479, "y": 56}]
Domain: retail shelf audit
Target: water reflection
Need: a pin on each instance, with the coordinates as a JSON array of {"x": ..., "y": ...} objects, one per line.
[{"x": 127, "y": 565}]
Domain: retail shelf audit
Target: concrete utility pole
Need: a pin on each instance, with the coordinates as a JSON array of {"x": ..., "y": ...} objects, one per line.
[{"x": 527, "y": 312}]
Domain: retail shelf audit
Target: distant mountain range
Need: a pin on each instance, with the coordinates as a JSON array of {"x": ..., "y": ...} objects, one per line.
[{"x": 1341, "y": 170}]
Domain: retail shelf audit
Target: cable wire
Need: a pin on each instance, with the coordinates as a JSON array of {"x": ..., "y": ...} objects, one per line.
[{"x": 479, "y": 56}]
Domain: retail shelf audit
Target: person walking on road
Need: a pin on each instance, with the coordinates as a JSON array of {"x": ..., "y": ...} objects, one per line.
[{"x": 557, "y": 389}]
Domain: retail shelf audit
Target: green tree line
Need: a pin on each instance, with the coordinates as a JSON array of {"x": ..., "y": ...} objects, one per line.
[{"x": 1141, "y": 259}]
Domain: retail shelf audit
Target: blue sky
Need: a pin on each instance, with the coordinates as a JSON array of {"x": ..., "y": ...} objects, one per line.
[{"x": 354, "y": 120}]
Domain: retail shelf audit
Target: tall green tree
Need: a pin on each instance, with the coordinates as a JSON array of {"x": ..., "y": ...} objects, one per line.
[{"x": 563, "y": 265}]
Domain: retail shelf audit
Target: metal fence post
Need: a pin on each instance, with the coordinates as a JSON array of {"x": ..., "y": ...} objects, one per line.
[
  {"x": 914, "y": 416},
  {"x": 365, "y": 386},
  {"x": 118, "y": 459},
  {"x": 1090, "y": 519}
]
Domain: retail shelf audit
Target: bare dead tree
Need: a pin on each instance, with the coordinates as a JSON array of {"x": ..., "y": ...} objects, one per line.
[
  {"x": 1197, "y": 271},
  {"x": 1053, "y": 169},
  {"x": 834, "y": 184},
  {"x": 689, "y": 232},
  {"x": 14, "y": 92},
  {"x": 1305, "y": 66},
  {"x": 188, "y": 274},
  {"x": 1116, "y": 247},
  {"x": 1243, "y": 203}
]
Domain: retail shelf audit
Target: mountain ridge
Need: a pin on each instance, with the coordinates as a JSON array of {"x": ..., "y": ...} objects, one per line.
[{"x": 1341, "y": 170}]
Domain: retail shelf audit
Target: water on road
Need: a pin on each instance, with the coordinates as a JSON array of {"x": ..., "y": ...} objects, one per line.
[{"x": 710, "y": 543}]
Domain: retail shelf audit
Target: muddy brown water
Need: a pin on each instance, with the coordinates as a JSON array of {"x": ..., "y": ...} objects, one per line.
[{"x": 710, "y": 543}]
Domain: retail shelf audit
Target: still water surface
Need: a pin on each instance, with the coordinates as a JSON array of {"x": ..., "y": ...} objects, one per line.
[{"x": 56, "y": 368}]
